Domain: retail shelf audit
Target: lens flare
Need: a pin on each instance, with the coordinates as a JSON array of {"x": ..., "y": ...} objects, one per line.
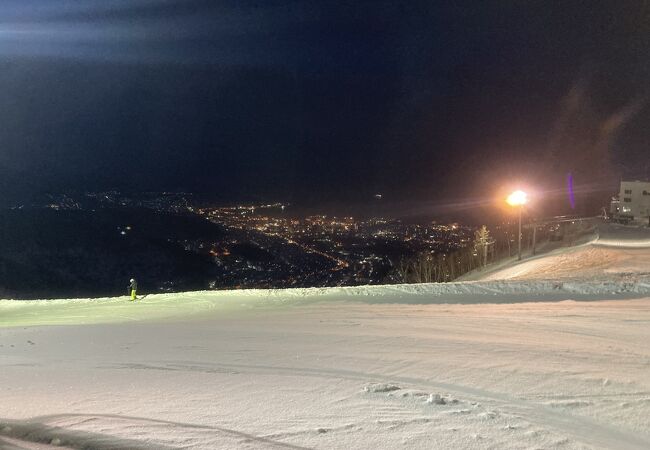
[
  {"x": 572, "y": 197},
  {"x": 517, "y": 198}
]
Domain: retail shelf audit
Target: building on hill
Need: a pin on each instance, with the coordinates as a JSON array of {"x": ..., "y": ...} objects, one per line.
[{"x": 632, "y": 203}]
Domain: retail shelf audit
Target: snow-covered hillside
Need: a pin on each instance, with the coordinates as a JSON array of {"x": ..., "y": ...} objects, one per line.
[
  {"x": 617, "y": 254},
  {"x": 550, "y": 353}
]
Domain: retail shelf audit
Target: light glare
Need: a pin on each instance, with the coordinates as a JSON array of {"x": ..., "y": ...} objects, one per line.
[{"x": 517, "y": 198}]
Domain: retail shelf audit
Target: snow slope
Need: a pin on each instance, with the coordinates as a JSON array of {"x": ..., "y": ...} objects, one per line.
[
  {"x": 502, "y": 364},
  {"x": 618, "y": 254}
]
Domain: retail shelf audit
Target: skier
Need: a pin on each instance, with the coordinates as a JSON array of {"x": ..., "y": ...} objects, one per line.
[{"x": 132, "y": 288}]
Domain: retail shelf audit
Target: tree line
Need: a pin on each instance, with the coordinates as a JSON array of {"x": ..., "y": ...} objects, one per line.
[
  {"x": 427, "y": 267},
  {"x": 487, "y": 248}
]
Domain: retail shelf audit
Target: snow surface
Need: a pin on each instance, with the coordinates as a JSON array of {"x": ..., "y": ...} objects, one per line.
[
  {"x": 617, "y": 254},
  {"x": 537, "y": 359}
]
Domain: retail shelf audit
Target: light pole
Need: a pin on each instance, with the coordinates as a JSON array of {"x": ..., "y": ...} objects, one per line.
[{"x": 519, "y": 199}]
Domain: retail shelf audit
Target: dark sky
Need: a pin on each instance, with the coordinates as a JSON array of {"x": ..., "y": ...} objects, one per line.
[{"x": 321, "y": 101}]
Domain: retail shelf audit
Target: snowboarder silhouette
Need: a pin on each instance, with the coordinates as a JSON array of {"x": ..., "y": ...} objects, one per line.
[{"x": 132, "y": 288}]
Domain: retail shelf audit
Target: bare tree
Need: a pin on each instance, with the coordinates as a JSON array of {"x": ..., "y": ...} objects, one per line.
[{"x": 482, "y": 241}]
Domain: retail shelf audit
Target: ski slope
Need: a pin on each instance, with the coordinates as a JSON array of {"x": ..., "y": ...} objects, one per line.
[
  {"x": 617, "y": 254},
  {"x": 521, "y": 360}
]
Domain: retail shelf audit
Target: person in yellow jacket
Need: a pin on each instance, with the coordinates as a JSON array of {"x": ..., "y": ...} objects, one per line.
[{"x": 132, "y": 288}]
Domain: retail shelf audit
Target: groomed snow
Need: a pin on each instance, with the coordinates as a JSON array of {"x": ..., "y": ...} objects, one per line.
[
  {"x": 506, "y": 364},
  {"x": 616, "y": 254}
]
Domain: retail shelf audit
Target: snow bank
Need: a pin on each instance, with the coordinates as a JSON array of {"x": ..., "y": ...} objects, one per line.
[{"x": 167, "y": 306}]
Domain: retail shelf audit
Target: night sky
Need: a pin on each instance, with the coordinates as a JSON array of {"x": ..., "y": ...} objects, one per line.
[{"x": 323, "y": 101}]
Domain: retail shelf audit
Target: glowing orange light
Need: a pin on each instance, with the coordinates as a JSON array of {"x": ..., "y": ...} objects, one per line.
[{"x": 517, "y": 198}]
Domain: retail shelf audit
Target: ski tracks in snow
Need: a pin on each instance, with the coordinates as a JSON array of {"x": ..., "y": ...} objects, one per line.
[{"x": 453, "y": 399}]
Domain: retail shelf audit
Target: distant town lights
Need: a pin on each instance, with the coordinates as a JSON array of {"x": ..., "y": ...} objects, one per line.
[{"x": 517, "y": 198}]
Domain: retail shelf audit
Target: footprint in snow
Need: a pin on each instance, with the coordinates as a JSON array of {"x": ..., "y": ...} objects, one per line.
[
  {"x": 380, "y": 387},
  {"x": 437, "y": 399}
]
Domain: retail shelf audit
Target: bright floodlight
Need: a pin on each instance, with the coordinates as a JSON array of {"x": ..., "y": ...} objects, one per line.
[{"x": 517, "y": 198}]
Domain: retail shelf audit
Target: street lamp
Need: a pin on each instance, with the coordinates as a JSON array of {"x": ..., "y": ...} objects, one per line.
[{"x": 518, "y": 198}]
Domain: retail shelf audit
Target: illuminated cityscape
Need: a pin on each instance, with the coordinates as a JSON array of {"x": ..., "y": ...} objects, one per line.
[
  {"x": 352, "y": 251},
  {"x": 267, "y": 245}
]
